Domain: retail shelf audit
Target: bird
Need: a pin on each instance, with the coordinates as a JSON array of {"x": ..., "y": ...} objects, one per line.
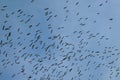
[{"x": 73, "y": 40}]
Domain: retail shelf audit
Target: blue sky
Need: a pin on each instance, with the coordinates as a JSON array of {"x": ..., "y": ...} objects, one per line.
[{"x": 91, "y": 27}]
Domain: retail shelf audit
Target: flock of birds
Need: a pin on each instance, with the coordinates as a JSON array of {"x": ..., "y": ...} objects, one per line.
[{"x": 58, "y": 40}]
